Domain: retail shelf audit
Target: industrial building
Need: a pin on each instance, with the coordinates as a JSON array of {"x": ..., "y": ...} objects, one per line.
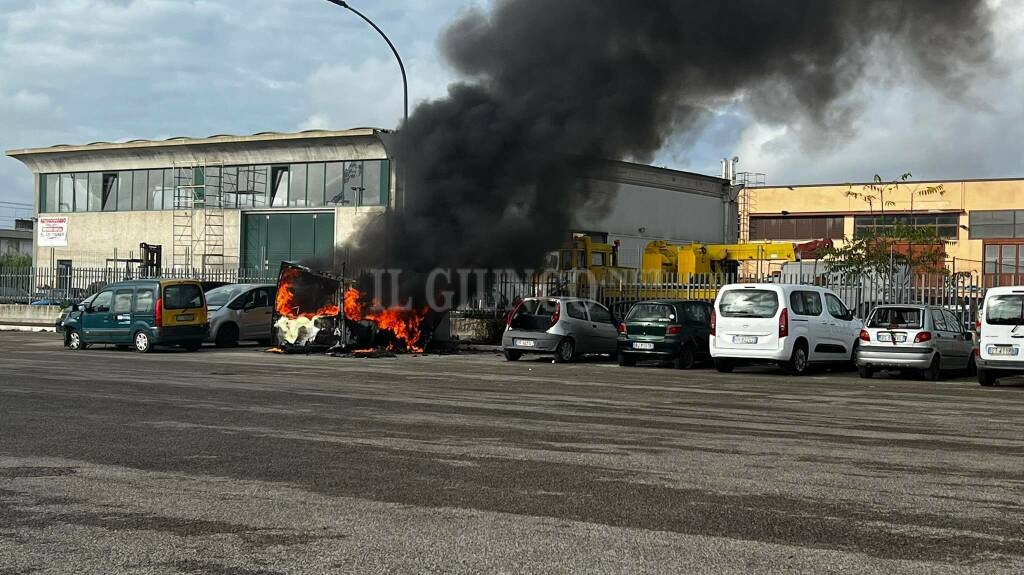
[
  {"x": 250, "y": 202},
  {"x": 17, "y": 241},
  {"x": 981, "y": 221}
]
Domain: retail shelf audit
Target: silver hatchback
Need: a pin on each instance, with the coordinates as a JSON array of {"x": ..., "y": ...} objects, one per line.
[
  {"x": 919, "y": 338},
  {"x": 565, "y": 327},
  {"x": 241, "y": 312}
]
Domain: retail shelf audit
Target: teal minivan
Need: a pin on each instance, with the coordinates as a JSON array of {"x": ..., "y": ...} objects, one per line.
[{"x": 141, "y": 314}]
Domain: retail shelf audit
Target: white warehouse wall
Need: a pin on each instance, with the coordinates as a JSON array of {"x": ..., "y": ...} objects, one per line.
[{"x": 636, "y": 214}]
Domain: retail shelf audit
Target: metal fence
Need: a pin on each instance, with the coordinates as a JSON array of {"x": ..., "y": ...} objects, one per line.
[
  {"x": 61, "y": 285},
  {"x": 495, "y": 293},
  {"x": 962, "y": 294}
]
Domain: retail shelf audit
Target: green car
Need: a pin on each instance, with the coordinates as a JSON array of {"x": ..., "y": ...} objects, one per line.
[
  {"x": 141, "y": 314},
  {"x": 665, "y": 330}
]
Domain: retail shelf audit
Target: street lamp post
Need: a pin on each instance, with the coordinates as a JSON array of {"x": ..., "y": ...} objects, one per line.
[
  {"x": 401, "y": 65},
  {"x": 399, "y": 199}
]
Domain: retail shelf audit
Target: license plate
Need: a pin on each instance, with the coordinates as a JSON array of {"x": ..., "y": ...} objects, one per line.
[
  {"x": 745, "y": 339},
  {"x": 524, "y": 342},
  {"x": 186, "y": 317},
  {"x": 896, "y": 337},
  {"x": 640, "y": 345},
  {"x": 1002, "y": 350}
]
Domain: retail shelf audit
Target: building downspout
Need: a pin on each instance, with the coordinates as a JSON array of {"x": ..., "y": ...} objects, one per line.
[{"x": 732, "y": 194}]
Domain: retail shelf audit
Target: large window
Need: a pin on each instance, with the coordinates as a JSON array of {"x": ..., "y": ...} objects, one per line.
[
  {"x": 279, "y": 186},
  {"x": 334, "y": 190},
  {"x": 253, "y": 183},
  {"x": 796, "y": 227},
  {"x": 1004, "y": 264},
  {"x": 156, "y": 189},
  {"x": 67, "y": 193},
  {"x": 50, "y": 184},
  {"x": 297, "y": 186},
  {"x": 359, "y": 183},
  {"x": 315, "y": 185},
  {"x": 353, "y": 183},
  {"x": 110, "y": 186},
  {"x": 140, "y": 189},
  {"x": 945, "y": 225},
  {"x": 95, "y": 203},
  {"x": 124, "y": 191},
  {"x": 992, "y": 224},
  {"x": 81, "y": 193}
]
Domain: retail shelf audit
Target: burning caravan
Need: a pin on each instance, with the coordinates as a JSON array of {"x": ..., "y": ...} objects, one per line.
[{"x": 307, "y": 314}]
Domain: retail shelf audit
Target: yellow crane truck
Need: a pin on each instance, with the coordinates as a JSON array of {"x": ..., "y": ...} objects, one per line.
[{"x": 687, "y": 271}]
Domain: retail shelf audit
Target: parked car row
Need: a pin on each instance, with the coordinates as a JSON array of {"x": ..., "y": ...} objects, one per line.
[
  {"x": 793, "y": 326},
  {"x": 169, "y": 312}
]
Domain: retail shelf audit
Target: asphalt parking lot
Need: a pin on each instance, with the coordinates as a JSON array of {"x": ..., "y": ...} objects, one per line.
[{"x": 243, "y": 462}]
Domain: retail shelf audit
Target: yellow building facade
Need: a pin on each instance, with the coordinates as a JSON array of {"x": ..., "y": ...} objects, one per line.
[{"x": 982, "y": 221}]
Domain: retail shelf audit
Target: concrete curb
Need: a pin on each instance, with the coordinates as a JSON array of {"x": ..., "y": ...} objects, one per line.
[{"x": 31, "y": 328}]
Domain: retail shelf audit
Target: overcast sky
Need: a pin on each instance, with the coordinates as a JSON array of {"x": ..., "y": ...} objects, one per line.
[{"x": 77, "y": 71}]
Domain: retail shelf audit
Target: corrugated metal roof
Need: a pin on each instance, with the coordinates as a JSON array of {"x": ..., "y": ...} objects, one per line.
[{"x": 188, "y": 140}]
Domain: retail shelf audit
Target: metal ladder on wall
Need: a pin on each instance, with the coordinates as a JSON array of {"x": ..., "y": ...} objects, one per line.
[{"x": 198, "y": 221}]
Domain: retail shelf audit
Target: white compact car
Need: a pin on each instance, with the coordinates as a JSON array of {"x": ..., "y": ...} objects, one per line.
[
  {"x": 1001, "y": 335},
  {"x": 792, "y": 325}
]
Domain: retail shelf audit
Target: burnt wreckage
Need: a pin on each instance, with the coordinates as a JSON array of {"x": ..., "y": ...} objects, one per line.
[{"x": 317, "y": 312}]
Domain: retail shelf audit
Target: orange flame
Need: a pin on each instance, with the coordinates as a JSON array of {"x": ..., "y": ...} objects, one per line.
[
  {"x": 403, "y": 323},
  {"x": 287, "y": 305},
  {"x": 353, "y": 310}
]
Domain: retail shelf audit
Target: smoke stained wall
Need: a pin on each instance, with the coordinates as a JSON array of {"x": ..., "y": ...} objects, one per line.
[{"x": 551, "y": 87}]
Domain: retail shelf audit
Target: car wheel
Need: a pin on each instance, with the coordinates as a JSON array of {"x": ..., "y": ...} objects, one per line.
[
  {"x": 853, "y": 354},
  {"x": 865, "y": 372},
  {"x": 193, "y": 345},
  {"x": 566, "y": 351},
  {"x": 686, "y": 358},
  {"x": 723, "y": 365},
  {"x": 512, "y": 355},
  {"x": 626, "y": 361},
  {"x": 227, "y": 335},
  {"x": 934, "y": 371},
  {"x": 972, "y": 365},
  {"x": 143, "y": 344},
  {"x": 798, "y": 361},
  {"x": 986, "y": 378},
  {"x": 73, "y": 340}
]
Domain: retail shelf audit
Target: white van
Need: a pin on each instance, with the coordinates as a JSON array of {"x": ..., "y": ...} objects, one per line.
[
  {"x": 1001, "y": 334},
  {"x": 793, "y": 325}
]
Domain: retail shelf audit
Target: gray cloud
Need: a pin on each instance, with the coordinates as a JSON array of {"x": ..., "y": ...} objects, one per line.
[{"x": 74, "y": 71}]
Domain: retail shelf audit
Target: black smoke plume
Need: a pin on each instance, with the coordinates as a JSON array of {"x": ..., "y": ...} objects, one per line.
[{"x": 553, "y": 86}]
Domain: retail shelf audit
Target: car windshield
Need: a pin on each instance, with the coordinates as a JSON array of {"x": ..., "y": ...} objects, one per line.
[
  {"x": 896, "y": 317},
  {"x": 651, "y": 312},
  {"x": 222, "y": 295},
  {"x": 749, "y": 303},
  {"x": 1005, "y": 310}
]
